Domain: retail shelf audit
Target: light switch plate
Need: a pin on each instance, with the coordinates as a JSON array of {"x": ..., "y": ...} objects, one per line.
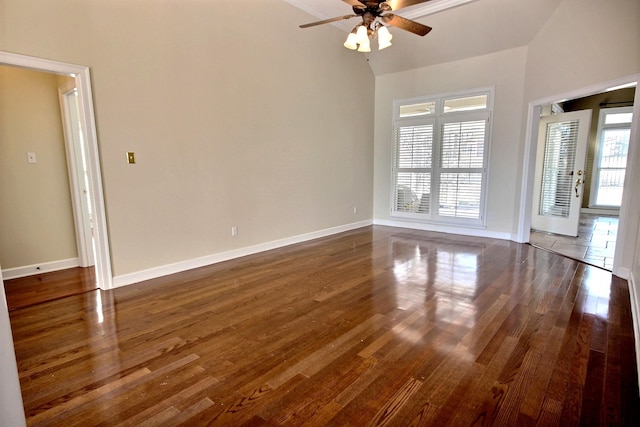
[
  {"x": 131, "y": 157},
  {"x": 31, "y": 157}
]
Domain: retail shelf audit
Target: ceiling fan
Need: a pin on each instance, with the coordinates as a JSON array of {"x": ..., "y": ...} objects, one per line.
[{"x": 376, "y": 15}]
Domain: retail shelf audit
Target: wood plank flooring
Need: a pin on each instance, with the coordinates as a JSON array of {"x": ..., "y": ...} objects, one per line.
[
  {"x": 376, "y": 326},
  {"x": 39, "y": 288}
]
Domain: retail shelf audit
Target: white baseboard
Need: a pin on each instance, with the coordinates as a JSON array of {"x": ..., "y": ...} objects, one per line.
[
  {"x": 635, "y": 317},
  {"x": 45, "y": 267},
  {"x": 165, "y": 270},
  {"x": 622, "y": 272},
  {"x": 440, "y": 228},
  {"x": 600, "y": 211}
]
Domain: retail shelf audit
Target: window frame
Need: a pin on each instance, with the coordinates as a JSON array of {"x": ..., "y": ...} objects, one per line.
[
  {"x": 438, "y": 119},
  {"x": 597, "y": 158}
]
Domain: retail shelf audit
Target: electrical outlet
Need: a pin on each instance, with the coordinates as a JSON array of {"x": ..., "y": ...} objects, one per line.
[
  {"x": 355, "y": 210},
  {"x": 234, "y": 231}
]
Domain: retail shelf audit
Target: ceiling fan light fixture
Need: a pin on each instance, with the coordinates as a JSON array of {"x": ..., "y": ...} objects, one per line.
[
  {"x": 362, "y": 35},
  {"x": 351, "y": 42},
  {"x": 365, "y": 47},
  {"x": 384, "y": 45},
  {"x": 384, "y": 37}
]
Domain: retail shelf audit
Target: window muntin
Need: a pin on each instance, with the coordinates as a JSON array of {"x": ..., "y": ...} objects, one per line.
[{"x": 439, "y": 167}]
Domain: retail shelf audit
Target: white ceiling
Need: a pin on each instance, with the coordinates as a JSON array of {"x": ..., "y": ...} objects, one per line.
[{"x": 461, "y": 29}]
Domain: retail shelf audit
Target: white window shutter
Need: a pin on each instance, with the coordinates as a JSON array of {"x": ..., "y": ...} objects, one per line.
[
  {"x": 440, "y": 154},
  {"x": 413, "y": 163},
  {"x": 557, "y": 171}
]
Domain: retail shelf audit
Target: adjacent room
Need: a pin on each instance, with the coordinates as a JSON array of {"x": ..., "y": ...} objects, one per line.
[
  {"x": 319, "y": 212},
  {"x": 597, "y": 190}
]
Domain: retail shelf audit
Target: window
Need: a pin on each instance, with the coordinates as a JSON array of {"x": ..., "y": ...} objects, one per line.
[
  {"x": 440, "y": 156},
  {"x": 614, "y": 130}
]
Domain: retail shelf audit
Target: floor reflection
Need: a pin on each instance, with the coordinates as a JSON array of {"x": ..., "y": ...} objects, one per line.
[
  {"x": 99, "y": 311},
  {"x": 597, "y": 283},
  {"x": 443, "y": 280}
]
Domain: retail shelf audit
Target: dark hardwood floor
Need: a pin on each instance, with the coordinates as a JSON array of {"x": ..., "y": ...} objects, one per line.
[
  {"x": 376, "y": 326},
  {"x": 39, "y": 288}
]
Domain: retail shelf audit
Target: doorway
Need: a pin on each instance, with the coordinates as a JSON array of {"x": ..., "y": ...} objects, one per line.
[
  {"x": 81, "y": 76},
  {"x": 597, "y": 223}
]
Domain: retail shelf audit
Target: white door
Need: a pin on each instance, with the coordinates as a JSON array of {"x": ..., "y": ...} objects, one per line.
[
  {"x": 559, "y": 179},
  {"x": 78, "y": 174}
]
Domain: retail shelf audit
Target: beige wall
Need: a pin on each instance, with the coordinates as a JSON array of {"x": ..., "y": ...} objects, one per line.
[
  {"x": 585, "y": 42},
  {"x": 36, "y": 220},
  {"x": 504, "y": 71},
  {"x": 236, "y": 116}
]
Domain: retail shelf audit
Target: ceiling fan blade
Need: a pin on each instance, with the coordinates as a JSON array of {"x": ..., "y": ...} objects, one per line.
[
  {"x": 355, "y": 3},
  {"x": 406, "y": 24},
  {"x": 399, "y": 4},
  {"x": 326, "y": 21}
]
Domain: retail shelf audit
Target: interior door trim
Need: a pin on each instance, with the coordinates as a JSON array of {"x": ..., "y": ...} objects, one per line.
[{"x": 104, "y": 276}]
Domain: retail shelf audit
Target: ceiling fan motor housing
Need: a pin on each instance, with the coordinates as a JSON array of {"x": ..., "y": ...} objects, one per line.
[{"x": 374, "y": 8}]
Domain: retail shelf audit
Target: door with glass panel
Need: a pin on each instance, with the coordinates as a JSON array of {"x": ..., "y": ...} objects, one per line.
[{"x": 559, "y": 178}]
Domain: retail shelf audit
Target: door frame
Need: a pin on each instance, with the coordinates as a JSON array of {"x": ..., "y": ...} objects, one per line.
[
  {"x": 74, "y": 149},
  {"x": 627, "y": 222},
  {"x": 104, "y": 277}
]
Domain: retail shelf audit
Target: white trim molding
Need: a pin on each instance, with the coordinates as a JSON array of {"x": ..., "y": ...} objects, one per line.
[
  {"x": 443, "y": 228},
  {"x": 45, "y": 267},
  {"x": 600, "y": 211},
  {"x": 165, "y": 270}
]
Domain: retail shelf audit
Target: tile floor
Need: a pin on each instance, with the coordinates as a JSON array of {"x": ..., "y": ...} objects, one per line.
[{"x": 595, "y": 244}]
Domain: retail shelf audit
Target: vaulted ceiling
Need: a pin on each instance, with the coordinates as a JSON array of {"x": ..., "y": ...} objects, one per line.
[{"x": 461, "y": 29}]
